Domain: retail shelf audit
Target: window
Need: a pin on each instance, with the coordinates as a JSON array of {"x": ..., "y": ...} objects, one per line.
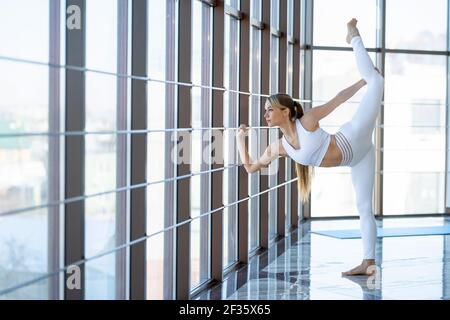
[
  {"x": 201, "y": 118},
  {"x": 24, "y": 172},
  {"x": 161, "y": 115},
  {"x": 290, "y": 174},
  {"x": 231, "y": 100},
  {"x": 255, "y": 115},
  {"x": 331, "y": 17},
  {"x": 101, "y": 150},
  {"x": 414, "y": 134},
  {"x": 273, "y": 134},
  {"x": 422, "y": 25}
]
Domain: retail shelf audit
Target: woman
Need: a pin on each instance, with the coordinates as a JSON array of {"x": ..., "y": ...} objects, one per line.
[{"x": 309, "y": 145}]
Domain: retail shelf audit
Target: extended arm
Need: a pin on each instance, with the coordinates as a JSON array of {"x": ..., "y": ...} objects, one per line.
[
  {"x": 270, "y": 154},
  {"x": 320, "y": 112}
]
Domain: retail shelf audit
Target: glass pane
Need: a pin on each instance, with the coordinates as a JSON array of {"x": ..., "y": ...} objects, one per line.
[
  {"x": 24, "y": 176},
  {"x": 195, "y": 253},
  {"x": 101, "y": 35},
  {"x": 290, "y": 174},
  {"x": 196, "y": 141},
  {"x": 404, "y": 86},
  {"x": 155, "y": 267},
  {"x": 24, "y": 172},
  {"x": 256, "y": 9},
  {"x": 23, "y": 160},
  {"x": 414, "y": 134},
  {"x": 157, "y": 40},
  {"x": 35, "y": 291},
  {"x": 273, "y": 134},
  {"x": 331, "y": 17},
  {"x": 290, "y": 17},
  {"x": 255, "y": 116},
  {"x": 25, "y": 29},
  {"x": 200, "y": 201},
  {"x": 156, "y": 160},
  {"x": 233, "y": 3},
  {"x": 231, "y": 67},
  {"x": 274, "y": 13},
  {"x": 100, "y": 160},
  {"x": 100, "y": 277},
  {"x": 413, "y": 192},
  {"x": 422, "y": 25},
  {"x": 100, "y": 236},
  {"x": 160, "y": 248},
  {"x": 23, "y": 243}
]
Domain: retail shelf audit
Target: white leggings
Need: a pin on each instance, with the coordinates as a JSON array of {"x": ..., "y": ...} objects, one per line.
[{"x": 358, "y": 132}]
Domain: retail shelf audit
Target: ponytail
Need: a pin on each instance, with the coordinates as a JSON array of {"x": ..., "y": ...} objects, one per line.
[
  {"x": 298, "y": 110},
  {"x": 304, "y": 175},
  {"x": 295, "y": 110}
]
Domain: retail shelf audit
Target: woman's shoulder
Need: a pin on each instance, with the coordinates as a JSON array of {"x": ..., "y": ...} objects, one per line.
[
  {"x": 309, "y": 123},
  {"x": 278, "y": 146}
]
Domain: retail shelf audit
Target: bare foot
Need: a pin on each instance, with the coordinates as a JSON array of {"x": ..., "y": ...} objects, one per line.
[
  {"x": 362, "y": 269},
  {"x": 352, "y": 30}
]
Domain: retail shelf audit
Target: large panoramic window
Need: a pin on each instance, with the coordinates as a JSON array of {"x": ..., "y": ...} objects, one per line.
[
  {"x": 24, "y": 172},
  {"x": 414, "y": 112},
  {"x": 414, "y": 134}
]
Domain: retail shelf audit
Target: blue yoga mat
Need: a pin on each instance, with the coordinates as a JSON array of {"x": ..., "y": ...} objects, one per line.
[{"x": 387, "y": 232}]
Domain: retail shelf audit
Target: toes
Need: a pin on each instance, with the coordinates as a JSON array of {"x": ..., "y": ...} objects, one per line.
[
  {"x": 353, "y": 272},
  {"x": 359, "y": 270},
  {"x": 352, "y": 22},
  {"x": 348, "y": 273}
]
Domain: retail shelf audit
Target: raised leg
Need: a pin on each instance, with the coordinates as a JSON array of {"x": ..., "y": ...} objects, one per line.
[
  {"x": 363, "y": 121},
  {"x": 363, "y": 61}
]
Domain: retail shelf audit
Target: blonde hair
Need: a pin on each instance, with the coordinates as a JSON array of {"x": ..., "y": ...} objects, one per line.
[{"x": 305, "y": 174}]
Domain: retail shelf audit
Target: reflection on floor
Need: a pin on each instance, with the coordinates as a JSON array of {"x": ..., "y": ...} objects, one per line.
[{"x": 308, "y": 266}]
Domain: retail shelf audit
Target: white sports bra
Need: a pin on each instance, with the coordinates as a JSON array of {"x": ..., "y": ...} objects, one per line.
[{"x": 313, "y": 145}]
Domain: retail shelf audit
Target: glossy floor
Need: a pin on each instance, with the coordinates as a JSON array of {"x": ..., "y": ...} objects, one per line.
[{"x": 308, "y": 266}]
